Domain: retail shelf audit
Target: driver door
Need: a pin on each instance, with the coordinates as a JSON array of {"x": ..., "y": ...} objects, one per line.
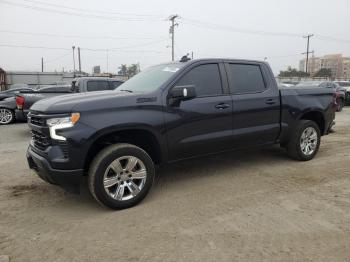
[{"x": 203, "y": 124}]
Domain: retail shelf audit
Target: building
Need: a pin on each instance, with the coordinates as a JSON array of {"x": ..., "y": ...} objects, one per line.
[
  {"x": 34, "y": 79},
  {"x": 338, "y": 64},
  {"x": 346, "y": 69},
  {"x": 96, "y": 70}
]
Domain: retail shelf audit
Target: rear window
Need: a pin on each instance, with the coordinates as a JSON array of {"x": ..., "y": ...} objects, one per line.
[
  {"x": 246, "y": 78},
  {"x": 97, "y": 86}
]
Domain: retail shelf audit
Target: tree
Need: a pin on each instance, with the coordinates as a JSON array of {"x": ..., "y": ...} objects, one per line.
[
  {"x": 129, "y": 71},
  {"x": 133, "y": 70},
  {"x": 292, "y": 72},
  {"x": 123, "y": 70},
  {"x": 323, "y": 72}
]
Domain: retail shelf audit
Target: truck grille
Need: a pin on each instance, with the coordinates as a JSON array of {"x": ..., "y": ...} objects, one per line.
[
  {"x": 40, "y": 141},
  {"x": 38, "y": 121},
  {"x": 347, "y": 96}
]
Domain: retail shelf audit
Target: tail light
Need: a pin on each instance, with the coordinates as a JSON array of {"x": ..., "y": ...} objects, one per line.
[{"x": 20, "y": 102}]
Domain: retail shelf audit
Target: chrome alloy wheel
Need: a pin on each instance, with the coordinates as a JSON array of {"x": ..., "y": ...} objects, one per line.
[
  {"x": 308, "y": 141},
  {"x": 6, "y": 116},
  {"x": 124, "y": 178}
]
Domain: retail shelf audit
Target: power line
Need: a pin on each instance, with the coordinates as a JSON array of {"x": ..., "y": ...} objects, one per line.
[
  {"x": 117, "y": 49},
  {"x": 79, "y": 14},
  {"x": 34, "y": 47},
  {"x": 330, "y": 38},
  {"x": 57, "y": 58},
  {"x": 212, "y": 26},
  {"x": 74, "y": 36},
  {"x": 94, "y": 11}
]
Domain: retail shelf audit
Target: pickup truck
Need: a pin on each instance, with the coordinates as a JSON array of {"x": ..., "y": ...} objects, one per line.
[
  {"x": 167, "y": 113},
  {"x": 80, "y": 85}
]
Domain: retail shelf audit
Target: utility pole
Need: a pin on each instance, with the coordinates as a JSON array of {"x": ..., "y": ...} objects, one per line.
[
  {"x": 107, "y": 59},
  {"x": 42, "y": 64},
  {"x": 79, "y": 60},
  {"x": 172, "y": 32},
  {"x": 307, "y": 51},
  {"x": 73, "y": 47}
]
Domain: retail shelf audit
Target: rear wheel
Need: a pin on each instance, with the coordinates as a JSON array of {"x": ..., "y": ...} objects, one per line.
[
  {"x": 121, "y": 175},
  {"x": 305, "y": 141},
  {"x": 7, "y": 116}
]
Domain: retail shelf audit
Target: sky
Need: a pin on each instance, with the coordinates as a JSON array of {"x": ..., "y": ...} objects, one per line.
[{"x": 113, "y": 32}]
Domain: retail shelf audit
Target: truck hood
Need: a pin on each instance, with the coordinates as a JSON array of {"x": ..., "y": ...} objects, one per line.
[{"x": 80, "y": 102}]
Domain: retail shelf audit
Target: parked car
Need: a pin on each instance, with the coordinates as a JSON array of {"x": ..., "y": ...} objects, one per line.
[
  {"x": 346, "y": 86},
  {"x": 169, "y": 113},
  {"x": 12, "y": 92},
  {"x": 7, "y": 110},
  {"x": 80, "y": 85},
  {"x": 339, "y": 91},
  {"x": 55, "y": 88},
  {"x": 282, "y": 85}
]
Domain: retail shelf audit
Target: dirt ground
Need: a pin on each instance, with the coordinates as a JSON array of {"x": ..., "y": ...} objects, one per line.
[{"x": 243, "y": 206}]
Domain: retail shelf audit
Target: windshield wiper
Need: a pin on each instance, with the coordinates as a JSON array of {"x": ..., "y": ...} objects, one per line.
[{"x": 125, "y": 90}]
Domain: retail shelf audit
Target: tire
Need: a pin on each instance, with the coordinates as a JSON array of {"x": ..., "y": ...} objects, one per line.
[
  {"x": 110, "y": 180},
  {"x": 296, "y": 147},
  {"x": 7, "y": 116},
  {"x": 340, "y": 105}
]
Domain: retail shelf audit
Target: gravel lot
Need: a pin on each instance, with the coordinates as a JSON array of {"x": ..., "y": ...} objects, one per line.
[{"x": 246, "y": 206}]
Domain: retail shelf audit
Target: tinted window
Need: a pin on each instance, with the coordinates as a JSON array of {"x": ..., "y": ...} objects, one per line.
[
  {"x": 205, "y": 78},
  {"x": 246, "y": 78},
  {"x": 115, "y": 84},
  {"x": 97, "y": 86},
  {"x": 327, "y": 85}
]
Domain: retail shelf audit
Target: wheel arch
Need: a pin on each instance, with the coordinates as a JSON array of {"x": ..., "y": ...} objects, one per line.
[
  {"x": 139, "y": 136},
  {"x": 316, "y": 116}
]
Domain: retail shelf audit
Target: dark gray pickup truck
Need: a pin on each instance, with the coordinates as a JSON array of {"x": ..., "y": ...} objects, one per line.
[
  {"x": 168, "y": 113},
  {"x": 80, "y": 85}
]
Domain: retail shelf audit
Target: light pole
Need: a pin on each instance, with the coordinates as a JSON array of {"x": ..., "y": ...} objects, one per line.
[{"x": 73, "y": 47}]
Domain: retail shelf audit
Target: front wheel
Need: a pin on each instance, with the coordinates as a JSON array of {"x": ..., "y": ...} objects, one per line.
[
  {"x": 305, "y": 141},
  {"x": 7, "y": 116},
  {"x": 121, "y": 175}
]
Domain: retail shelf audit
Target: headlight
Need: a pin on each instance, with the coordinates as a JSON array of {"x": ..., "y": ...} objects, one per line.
[{"x": 61, "y": 123}]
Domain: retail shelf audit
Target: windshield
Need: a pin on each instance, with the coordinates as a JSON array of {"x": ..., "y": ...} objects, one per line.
[{"x": 151, "y": 79}]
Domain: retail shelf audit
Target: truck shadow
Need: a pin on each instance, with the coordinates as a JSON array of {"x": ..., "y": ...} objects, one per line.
[{"x": 230, "y": 162}]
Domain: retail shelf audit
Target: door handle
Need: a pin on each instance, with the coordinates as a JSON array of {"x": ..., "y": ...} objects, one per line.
[
  {"x": 222, "y": 106},
  {"x": 270, "y": 101}
]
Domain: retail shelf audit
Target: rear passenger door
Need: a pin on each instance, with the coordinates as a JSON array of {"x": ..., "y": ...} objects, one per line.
[
  {"x": 256, "y": 104},
  {"x": 204, "y": 124}
]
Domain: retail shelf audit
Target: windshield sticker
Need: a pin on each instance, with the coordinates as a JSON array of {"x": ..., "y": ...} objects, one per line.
[{"x": 171, "y": 69}]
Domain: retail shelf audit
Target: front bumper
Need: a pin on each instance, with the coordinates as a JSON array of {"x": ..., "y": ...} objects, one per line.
[{"x": 68, "y": 179}]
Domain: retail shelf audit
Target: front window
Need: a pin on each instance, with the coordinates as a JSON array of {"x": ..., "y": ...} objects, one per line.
[{"x": 151, "y": 79}]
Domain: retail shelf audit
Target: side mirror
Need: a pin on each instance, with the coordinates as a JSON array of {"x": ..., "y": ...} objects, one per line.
[{"x": 181, "y": 93}]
